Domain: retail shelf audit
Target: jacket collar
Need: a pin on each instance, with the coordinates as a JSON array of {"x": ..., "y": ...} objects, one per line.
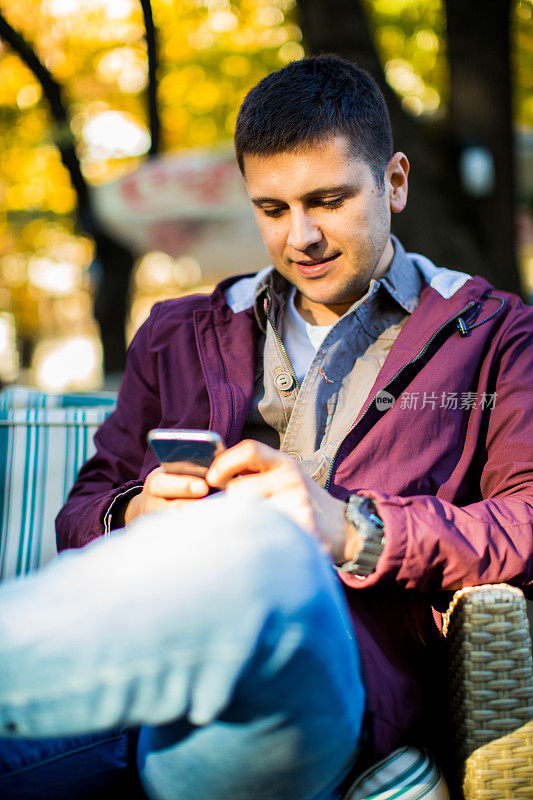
[
  {"x": 444, "y": 292},
  {"x": 230, "y": 318},
  {"x": 403, "y": 281}
]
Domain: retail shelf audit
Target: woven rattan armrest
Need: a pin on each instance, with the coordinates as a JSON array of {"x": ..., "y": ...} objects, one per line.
[{"x": 490, "y": 693}]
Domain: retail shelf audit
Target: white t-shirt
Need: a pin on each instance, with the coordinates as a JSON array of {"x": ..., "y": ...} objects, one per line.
[{"x": 301, "y": 338}]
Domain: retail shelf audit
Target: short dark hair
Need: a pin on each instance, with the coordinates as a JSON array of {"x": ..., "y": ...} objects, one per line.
[{"x": 309, "y": 100}]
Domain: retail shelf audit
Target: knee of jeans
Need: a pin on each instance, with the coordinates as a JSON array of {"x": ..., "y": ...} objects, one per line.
[
  {"x": 240, "y": 557},
  {"x": 251, "y": 582},
  {"x": 261, "y": 548},
  {"x": 271, "y": 565}
]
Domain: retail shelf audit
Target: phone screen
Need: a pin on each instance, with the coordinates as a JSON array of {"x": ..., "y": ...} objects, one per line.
[{"x": 183, "y": 452}]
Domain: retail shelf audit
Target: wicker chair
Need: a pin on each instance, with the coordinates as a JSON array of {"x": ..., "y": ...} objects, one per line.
[
  {"x": 490, "y": 690},
  {"x": 490, "y": 702}
]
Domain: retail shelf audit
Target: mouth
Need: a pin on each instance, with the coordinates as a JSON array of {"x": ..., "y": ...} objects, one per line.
[{"x": 314, "y": 267}]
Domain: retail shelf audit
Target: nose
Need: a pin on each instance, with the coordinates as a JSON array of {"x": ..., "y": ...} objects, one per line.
[{"x": 303, "y": 231}]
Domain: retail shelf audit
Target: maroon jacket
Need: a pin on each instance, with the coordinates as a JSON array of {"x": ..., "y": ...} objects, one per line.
[{"x": 454, "y": 486}]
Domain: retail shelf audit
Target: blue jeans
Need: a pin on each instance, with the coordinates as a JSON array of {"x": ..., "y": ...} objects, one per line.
[
  {"x": 71, "y": 768},
  {"x": 220, "y": 631}
]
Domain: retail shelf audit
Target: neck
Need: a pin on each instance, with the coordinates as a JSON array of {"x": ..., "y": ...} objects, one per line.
[{"x": 317, "y": 314}]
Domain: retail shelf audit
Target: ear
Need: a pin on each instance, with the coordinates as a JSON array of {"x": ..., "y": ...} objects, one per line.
[{"x": 396, "y": 181}]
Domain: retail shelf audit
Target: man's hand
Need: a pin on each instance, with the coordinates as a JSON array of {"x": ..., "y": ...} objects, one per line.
[
  {"x": 253, "y": 467},
  {"x": 163, "y": 490}
]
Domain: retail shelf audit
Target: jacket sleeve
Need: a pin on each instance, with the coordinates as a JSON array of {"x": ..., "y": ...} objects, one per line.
[
  {"x": 432, "y": 544},
  {"x": 120, "y": 447}
]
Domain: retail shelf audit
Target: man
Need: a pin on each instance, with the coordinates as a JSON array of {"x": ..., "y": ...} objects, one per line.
[{"x": 373, "y": 407}]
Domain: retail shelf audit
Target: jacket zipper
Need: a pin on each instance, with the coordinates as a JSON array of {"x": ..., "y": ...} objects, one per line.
[
  {"x": 280, "y": 342},
  {"x": 418, "y": 355}
]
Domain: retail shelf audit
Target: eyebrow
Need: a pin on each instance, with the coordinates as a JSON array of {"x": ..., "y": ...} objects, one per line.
[{"x": 344, "y": 188}]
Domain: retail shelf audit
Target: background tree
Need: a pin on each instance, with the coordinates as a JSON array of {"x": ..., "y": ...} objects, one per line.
[
  {"x": 454, "y": 220},
  {"x": 114, "y": 259},
  {"x": 114, "y": 99},
  {"x": 90, "y": 61}
]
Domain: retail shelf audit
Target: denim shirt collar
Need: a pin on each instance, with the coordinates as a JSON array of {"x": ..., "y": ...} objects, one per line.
[{"x": 402, "y": 280}]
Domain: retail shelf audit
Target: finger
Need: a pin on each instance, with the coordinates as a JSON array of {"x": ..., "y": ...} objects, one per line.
[
  {"x": 247, "y": 456},
  {"x": 162, "y": 504},
  {"x": 154, "y": 503},
  {"x": 169, "y": 486},
  {"x": 267, "y": 484}
]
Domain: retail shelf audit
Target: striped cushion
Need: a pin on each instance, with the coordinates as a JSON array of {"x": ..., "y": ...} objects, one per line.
[
  {"x": 406, "y": 774},
  {"x": 26, "y": 397},
  {"x": 41, "y": 451}
]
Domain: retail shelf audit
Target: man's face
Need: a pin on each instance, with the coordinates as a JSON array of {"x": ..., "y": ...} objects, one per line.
[{"x": 324, "y": 221}]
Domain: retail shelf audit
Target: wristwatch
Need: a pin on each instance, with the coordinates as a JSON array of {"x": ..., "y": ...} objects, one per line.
[{"x": 362, "y": 513}]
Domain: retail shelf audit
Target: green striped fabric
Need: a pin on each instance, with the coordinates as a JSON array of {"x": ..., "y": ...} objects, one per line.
[
  {"x": 406, "y": 774},
  {"x": 26, "y": 397},
  {"x": 41, "y": 451}
]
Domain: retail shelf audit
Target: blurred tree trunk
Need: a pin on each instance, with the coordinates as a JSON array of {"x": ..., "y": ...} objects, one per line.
[
  {"x": 114, "y": 260},
  {"x": 481, "y": 116},
  {"x": 442, "y": 220},
  {"x": 153, "y": 60}
]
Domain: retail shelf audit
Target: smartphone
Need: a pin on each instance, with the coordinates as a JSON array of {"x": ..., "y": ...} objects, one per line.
[{"x": 185, "y": 452}]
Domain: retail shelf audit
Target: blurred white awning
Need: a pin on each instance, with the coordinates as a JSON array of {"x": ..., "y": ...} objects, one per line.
[{"x": 193, "y": 203}]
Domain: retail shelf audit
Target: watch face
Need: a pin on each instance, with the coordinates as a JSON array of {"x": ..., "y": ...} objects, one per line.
[{"x": 362, "y": 514}]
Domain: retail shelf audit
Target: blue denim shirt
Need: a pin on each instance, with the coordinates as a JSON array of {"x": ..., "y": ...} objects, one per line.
[{"x": 310, "y": 421}]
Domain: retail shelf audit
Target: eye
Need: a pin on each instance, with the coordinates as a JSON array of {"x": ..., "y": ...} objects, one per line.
[
  {"x": 335, "y": 202},
  {"x": 272, "y": 212}
]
